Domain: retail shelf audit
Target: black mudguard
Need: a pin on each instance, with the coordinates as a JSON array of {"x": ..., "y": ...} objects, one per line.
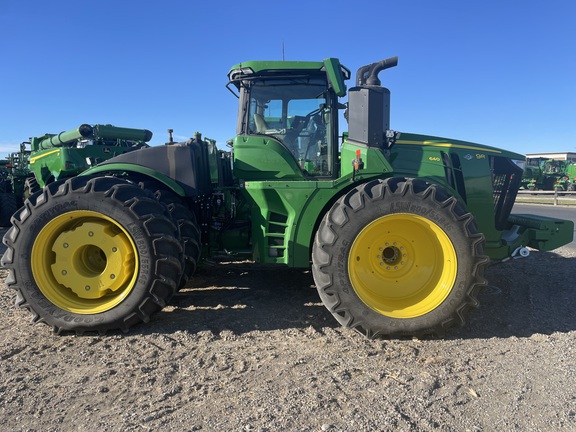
[{"x": 185, "y": 163}]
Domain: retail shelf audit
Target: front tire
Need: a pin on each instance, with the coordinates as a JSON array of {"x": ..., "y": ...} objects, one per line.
[
  {"x": 398, "y": 257},
  {"x": 92, "y": 254}
]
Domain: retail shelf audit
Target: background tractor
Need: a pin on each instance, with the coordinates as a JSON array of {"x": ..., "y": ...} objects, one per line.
[
  {"x": 547, "y": 174},
  {"x": 567, "y": 181},
  {"x": 397, "y": 227}
]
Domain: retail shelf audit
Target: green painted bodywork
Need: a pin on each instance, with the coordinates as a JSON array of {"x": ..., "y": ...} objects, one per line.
[
  {"x": 422, "y": 156},
  {"x": 257, "y": 158},
  {"x": 286, "y": 209},
  {"x": 259, "y": 66}
]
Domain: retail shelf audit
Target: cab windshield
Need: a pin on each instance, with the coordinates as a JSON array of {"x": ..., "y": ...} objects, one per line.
[{"x": 293, "y": 111}]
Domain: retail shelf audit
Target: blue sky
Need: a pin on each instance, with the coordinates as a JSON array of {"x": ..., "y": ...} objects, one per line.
[{"x": 497, "y": 72}]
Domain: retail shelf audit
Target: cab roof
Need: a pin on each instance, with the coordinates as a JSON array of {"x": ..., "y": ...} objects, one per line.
[{"x": 330, "y": 67}]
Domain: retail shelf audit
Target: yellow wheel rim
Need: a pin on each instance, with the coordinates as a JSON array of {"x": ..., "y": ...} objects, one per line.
[
  {"x": 84, "y": 262},
  {"x": 402, "y": 265}
]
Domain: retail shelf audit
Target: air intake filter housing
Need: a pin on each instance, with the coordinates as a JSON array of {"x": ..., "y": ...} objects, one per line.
[{"x": 368, "y": 115}]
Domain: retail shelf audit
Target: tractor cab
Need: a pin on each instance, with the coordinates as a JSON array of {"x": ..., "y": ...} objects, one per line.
[{"x": 288, "y": 119}]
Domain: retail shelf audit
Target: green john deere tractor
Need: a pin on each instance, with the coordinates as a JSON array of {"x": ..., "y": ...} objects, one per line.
[{"x": 397, "y": 227}]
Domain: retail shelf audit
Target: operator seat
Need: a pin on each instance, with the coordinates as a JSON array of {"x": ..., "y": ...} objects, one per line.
[{"x": 261, "y": 125}]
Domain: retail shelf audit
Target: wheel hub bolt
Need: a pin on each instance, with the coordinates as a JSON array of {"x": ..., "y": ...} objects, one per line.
[
  {"x": 90, "y": 233},
  {"x": 65, "y": 245},
  {"x": 390, "y": 255},
  {"x": 87, "y": 288}
]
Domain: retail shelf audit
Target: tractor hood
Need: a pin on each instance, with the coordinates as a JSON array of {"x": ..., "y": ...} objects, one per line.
[{"x": 448, "y": 143}]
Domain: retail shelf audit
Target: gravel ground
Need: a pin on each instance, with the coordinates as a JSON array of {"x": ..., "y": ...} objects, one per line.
[{"x": 251, "y": 348}]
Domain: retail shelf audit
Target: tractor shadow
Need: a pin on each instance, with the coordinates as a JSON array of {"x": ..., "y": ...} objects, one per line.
[
  {"x": 243, "y": 297},
  {"x": 534, "y": 295}
]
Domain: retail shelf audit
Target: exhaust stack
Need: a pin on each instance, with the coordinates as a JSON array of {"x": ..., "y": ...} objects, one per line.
[{"x": 369, "y": 106}]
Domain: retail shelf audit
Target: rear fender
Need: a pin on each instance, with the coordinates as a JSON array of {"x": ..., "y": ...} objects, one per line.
[
  {"x": 137, "y": 169},
  {"x": 184, "y": 167}
]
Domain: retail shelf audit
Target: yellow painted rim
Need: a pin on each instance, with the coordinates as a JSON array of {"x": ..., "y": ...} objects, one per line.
[
  {"x": 402, "y": 265},
  {"x": 84, "y": 262}
]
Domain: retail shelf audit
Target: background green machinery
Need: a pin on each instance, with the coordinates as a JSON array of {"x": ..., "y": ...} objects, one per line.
[
  {"x": 57, "y": 156},
  {"x": 52, "y": 157},
  {"x": 567, "y": 182},
  {"x": 397, "y": 227},
  {"x": 549, "y": 174},
  {"x": 13, "y": 174}
]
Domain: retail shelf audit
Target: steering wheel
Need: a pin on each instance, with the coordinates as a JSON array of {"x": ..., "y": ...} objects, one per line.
[{"x": 298, "y": 125}]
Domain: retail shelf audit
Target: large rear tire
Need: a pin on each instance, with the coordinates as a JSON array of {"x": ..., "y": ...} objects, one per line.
[
  {"x": 92, "y": 254},
  {"x": 398, "y": 257}
]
